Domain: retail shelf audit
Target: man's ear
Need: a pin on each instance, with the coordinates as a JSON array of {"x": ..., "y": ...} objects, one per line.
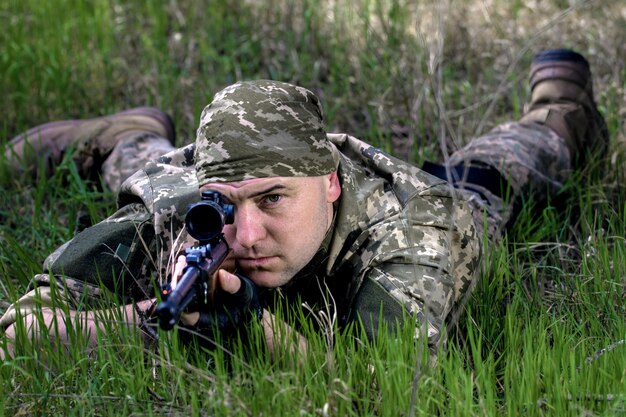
[{"x": 334, "y": 187}]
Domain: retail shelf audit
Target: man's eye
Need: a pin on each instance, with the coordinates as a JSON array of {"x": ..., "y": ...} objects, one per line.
[{"x": 272, "y": 198}]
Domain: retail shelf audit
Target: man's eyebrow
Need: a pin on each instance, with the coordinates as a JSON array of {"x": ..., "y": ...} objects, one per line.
[{"x": 268, "y": 190}]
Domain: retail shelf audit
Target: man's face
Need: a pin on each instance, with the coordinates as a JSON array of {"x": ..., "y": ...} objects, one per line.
[{"x": 279, "y": 225}]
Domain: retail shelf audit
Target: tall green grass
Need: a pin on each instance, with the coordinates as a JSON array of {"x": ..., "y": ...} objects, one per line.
[{"x": 551, "y": 297}]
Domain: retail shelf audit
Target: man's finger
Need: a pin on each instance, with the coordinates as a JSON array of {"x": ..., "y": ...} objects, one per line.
[
  {"x": 181, "y": 263},
  {"x": 228, "y": 282}
]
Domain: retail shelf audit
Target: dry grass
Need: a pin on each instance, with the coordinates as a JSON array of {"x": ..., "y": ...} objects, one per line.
[{"x": 474, "y": 54}]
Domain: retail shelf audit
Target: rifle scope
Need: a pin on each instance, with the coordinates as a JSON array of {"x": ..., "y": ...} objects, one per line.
[{"x": 206, "y": 219}]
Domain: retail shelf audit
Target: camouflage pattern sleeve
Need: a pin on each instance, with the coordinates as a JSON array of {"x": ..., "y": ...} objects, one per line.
[
  {"x": 405, "y": 240},
  {"x": 423, "y": 267}
]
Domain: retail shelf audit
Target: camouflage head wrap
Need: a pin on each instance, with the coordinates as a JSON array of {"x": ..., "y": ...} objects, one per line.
[{"x": 260, "y": 129}]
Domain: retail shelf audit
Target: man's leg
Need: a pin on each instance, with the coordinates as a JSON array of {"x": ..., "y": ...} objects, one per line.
[
  {"x": 131, "y": 154},
  {"x": 559, "y": 131},
  {"x": 112, "y": 147}
]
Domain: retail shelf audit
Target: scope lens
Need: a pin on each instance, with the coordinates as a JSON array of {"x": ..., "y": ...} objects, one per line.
[{"x": 204, "y": 220}]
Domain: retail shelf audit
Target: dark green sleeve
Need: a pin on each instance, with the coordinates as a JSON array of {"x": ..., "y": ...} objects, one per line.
[
  {"x": 375, "y": 307},
  {"x": 384, "y": 302},
  {"x": 114, "y": 254}
]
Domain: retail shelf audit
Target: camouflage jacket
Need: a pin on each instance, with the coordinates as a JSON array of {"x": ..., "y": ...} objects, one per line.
[{"x": 402, "y": 241}]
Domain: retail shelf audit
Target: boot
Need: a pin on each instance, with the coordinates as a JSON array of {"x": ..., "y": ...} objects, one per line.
[
  {"x": 562, "y": 99},
  {"x": 92, "y": 140}
]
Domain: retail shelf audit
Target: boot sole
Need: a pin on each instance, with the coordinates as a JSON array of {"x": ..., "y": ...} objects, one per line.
[{"x": 561, "y": 64}]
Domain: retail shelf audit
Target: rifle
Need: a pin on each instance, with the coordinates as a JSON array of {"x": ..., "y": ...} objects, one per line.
[{"x": 204, "y": 221}]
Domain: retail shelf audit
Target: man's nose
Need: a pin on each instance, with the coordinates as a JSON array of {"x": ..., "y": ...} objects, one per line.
[{"x": 249, "y": 228}]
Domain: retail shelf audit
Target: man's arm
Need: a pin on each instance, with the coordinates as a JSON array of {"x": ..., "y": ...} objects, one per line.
[
  {"x": 423, "y": 267},
  {"x": 52, "y": 323},
  {"x": 107, "y": 261}
]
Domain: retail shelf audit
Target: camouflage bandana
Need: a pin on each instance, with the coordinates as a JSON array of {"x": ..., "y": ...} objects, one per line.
[{"x": 260, "y": 129}]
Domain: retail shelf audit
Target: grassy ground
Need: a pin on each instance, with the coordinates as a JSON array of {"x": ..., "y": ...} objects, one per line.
[{"x": 543, "y": 333}]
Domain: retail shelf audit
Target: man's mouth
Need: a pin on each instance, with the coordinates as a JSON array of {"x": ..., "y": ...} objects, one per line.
[{"x": 256, "y": 262}]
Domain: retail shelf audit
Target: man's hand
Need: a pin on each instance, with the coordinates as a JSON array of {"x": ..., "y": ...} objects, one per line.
[
  {"x": 229, "y": 283},
  {"x": 236, "y": 303}
]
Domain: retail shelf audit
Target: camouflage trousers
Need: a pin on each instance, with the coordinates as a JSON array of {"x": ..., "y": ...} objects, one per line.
[
  {"x": 131, "y": 154},
  {"x": 532, "y": 158}
]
